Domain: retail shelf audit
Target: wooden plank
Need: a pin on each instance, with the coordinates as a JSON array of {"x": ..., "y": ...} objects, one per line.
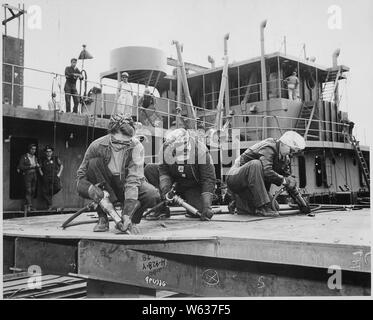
[
  {"x": 48, "y": 255},
  {"x": 24, "y": 281},
  {"x": 207, "y": 277}
]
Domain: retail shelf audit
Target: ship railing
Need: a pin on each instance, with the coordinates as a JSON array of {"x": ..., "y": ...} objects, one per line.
[
  {"x": 95, "y": 104},
  {"x": 257, "y": 127},
  {"x": 249, "y": 93}
]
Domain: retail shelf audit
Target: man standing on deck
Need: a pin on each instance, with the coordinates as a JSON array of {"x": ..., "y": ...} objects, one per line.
[
  {"x": 51, "y": 167},
  {"x": 29, "y": 166},
  {"x": 117, "y": 159},
  {"x": 72, "y": 73},
  {"x": 293, "y": 83},
  {"x": 186, "y": 161},
  {"x": 262, "y": 164}
]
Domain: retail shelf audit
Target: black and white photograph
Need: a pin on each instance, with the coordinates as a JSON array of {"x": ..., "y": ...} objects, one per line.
[{"x": 186, "y": 151}]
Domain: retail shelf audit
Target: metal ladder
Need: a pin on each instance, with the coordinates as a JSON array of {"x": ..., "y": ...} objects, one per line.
[
  {"x": 306, "y": 115},
  {"x": 330, "y": 85},
  {"x": 361, "y": 158}
]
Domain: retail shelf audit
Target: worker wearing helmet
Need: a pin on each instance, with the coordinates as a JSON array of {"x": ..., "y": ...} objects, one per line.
[
  {"x": 184, "y": 160},
  {"x": 262, "y": 164},
  {"x": 117, "y": 160}
]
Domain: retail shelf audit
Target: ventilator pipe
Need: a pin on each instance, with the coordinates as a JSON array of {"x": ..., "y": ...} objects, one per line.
[
  {"x": 226, "y": 38},
  {"x": 335, "y": 57},
  {"x": 212, "y": 61},
  {"x": 263, "y": 75}
]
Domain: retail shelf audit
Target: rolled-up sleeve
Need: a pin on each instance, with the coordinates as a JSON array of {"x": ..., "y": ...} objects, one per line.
[{"x": 135, "y": 173}]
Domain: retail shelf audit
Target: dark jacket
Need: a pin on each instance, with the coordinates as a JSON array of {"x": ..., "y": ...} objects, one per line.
[
  {"x": 24, "y": 164},
  {"x": 267, "y": 151},
  {"x": 188, "y": 174},
  {"x": 132, "y": 166},
  {"x": 70, "y": 78}
]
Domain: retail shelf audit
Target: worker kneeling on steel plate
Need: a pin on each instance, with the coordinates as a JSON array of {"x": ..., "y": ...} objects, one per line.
[
  {"x": 116, "y": 161},
  {"x": 186, "y": 161},
  {"x": 258, "y": 167}
]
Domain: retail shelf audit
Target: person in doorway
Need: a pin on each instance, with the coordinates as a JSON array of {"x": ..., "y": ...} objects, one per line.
[
  {"x": 262, "y": 164},
  {"x": 72, "y": 73},
  {"x": 293, "y": 83},
  {"x": 125, "y": 96},
  {"x": 224, "y": 198},
  {"x": 117, "y": 160},
  {"x": 185, "y": 161},
  {"x": 51, "y": 168},
  {"x": 29, "y": 167}
]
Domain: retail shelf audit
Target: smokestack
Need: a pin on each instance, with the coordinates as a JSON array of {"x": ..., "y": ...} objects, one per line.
[
  {"x": 211, "y": 61},
  {"x": 335, "y": 57}
]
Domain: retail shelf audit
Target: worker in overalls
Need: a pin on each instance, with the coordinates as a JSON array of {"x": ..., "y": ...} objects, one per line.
[
  {"x": 184, "y": 160},
  {"x": 262, "y": 164},
  {"x": 117, "y": 161},
  {"x": 293, "y": 83},
  {"x": 147, "y": 113},
  {"x": 125, "y": 96},
  {"x": 51, "y": 168},
  {"x": 29, "y": 167}
]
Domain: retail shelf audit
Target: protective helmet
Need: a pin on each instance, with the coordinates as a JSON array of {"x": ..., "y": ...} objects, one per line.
[
  {"x": 125, "y": 74},
  {"x": 294, "y": 140}
]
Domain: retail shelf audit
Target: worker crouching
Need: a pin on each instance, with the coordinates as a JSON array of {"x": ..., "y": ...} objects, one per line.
[
  {"x": 258, "y": 167},
  {"x": 186, "y": 161},
  {"x": 116, "y": 161}
]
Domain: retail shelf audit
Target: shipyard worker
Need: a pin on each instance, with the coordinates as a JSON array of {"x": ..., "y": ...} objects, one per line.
[
  {"x": 72, "y": 73},
  {"x": 147, "y": 114},
  {"x": 51, "y": 168},
  {"x": 186, "y": 161},
  {"x": 293, "y": 83},
  {"x": 117, "y": 160},
  {"x": 29, "y": 167},
  {"x": 125, "y": 96},
  {"x": 224, "y": 198},
  {"x": 262, "y": 164}
]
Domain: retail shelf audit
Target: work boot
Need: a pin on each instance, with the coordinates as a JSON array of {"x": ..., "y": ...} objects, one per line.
[
  {"x": 103, "y": 221},
  {"x": 266, "y": 211}
]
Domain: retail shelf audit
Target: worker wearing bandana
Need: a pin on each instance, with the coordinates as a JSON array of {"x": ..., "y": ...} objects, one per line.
[
  {"x": 117, "y": 159},
  {"x": 186, "y": 161}
]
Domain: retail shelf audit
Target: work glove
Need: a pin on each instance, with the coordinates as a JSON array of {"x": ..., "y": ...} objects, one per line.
[
  {"x": 290, "y": 182},
  {"x": 130, "y": 206},
  {"x": 95, "y": 193},
  {"x": 207, "y": 212}
]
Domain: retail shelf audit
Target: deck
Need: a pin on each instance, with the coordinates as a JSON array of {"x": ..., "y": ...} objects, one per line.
[{"x": 232, "y": 255}]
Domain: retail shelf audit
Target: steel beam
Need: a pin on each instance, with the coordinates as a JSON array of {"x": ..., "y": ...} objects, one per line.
[
  {"x": 199, "y": 276},
  {"x": 52, "y": 256}
]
